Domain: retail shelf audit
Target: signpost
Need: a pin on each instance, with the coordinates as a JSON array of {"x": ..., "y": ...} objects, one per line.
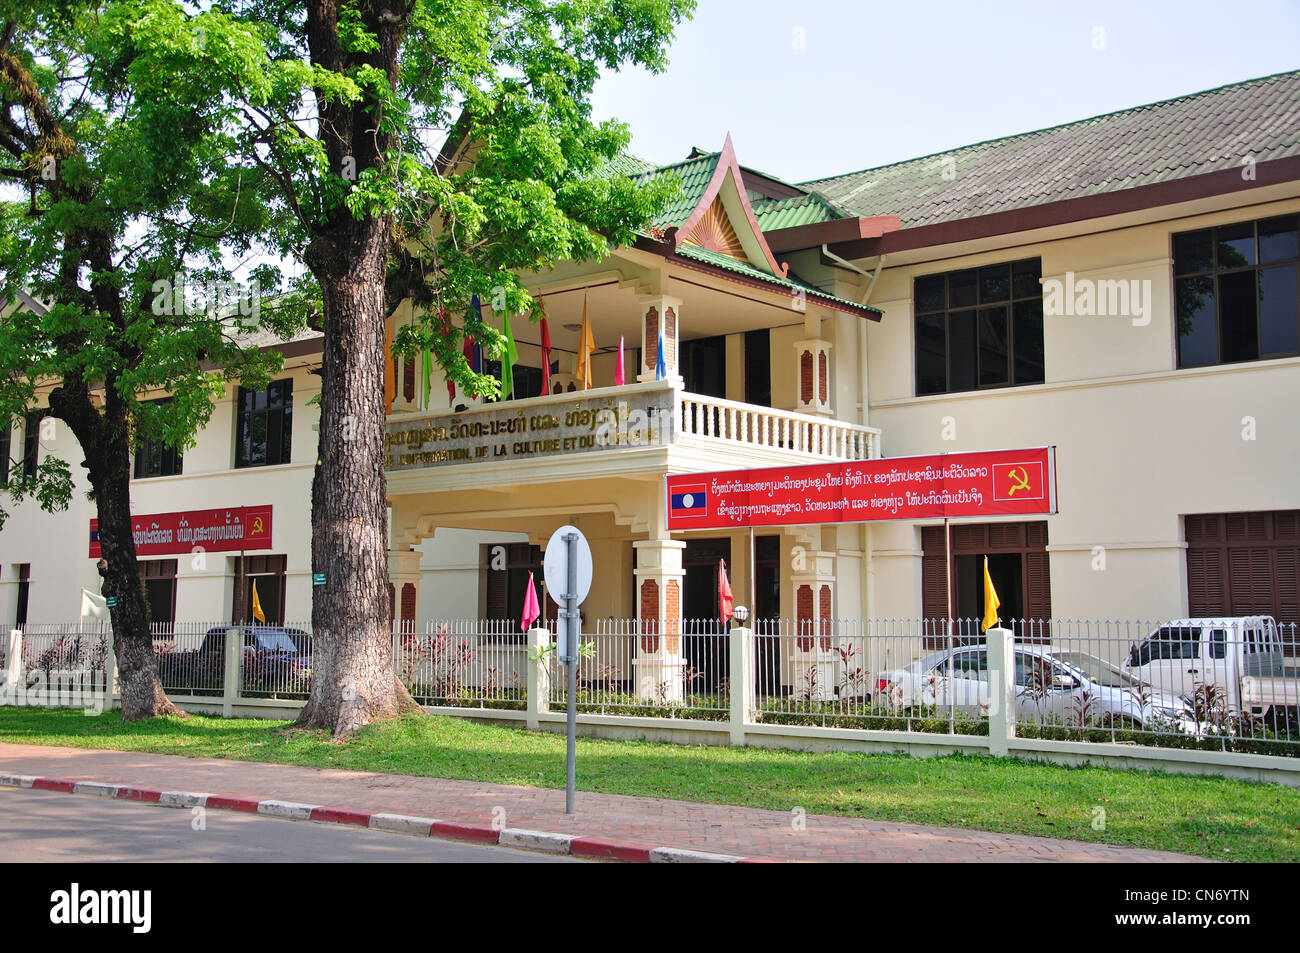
[{"x": 567, "y": 568}]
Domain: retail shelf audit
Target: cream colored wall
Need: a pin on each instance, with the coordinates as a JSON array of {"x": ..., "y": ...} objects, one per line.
[
  {"x": 57, "y": 545},
  {"x": 1139, "y": 442}
]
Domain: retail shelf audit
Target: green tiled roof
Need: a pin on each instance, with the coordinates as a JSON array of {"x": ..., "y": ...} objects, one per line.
[
  {"x": 629, "y": 165},
  {"x": 749, "y": 271},
  {"x": 1173, "y": 139},
  {"x": 799, "y": 210},
  {"x": 695, "y": 174}
]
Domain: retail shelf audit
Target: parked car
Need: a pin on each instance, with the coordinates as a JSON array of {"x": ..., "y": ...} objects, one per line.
[
  {"x": 1240, "y": 657},
  {"x": 1048, "y": 688},
  {"x": 282, "y": 654}
]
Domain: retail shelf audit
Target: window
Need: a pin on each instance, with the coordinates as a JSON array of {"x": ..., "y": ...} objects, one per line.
[
  {"x": 978, "y": 328},
  {"x": 32, "y": 443},
  {"x": 264, "y": 425},
  {"x": 1237, "y": 292},
  {"x": 265, "y": 574},
  {"x": 154, "y": 458},
  {"x": 24, "y": 589},
  {"x": 158, "y": 576},
  {"x": 4, "y": 450},
  {"x": 758, "y": 367},
  {"x": 704, "y": 366},
  {"x": 505, "y": 577}
]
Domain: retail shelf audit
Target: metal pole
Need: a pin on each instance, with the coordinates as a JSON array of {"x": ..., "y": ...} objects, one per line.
[
  {"x": 947, "y": 564},
  {"x": 571, "y": 620},
  {"x": 753, "y": 579}
]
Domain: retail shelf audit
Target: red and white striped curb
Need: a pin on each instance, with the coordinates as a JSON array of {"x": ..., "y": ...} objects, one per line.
[{"x": 543, "y": 841}]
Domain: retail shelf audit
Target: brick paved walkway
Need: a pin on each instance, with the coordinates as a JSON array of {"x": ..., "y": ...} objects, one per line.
[{"x": 651, "y": 822}]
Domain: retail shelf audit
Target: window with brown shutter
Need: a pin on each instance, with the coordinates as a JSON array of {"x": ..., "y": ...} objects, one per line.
[
  {"x": 1244, "y": 564},
  {"x": 1018, "y": 557}
]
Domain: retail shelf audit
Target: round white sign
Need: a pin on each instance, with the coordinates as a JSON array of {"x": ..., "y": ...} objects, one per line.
[{"x": 555, "y": 566}]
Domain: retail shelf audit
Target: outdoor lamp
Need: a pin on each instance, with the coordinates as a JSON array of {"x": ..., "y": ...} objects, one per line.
[{"x": 741, "y": 614}]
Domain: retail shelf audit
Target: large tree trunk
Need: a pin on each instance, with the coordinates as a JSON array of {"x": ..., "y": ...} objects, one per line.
[
  {"x": 105, "y": 441},
  {"x": 353, "y": 682}
]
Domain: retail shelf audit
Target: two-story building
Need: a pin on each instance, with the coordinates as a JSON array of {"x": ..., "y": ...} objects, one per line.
[{"x": 1125, "y": 288}]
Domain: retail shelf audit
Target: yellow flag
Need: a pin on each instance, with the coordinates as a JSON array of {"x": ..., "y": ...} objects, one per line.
[
  {"x": 258, "y": 614},
  {"x": 991, "y": 600},
  {"x": 586, "y": 344}
]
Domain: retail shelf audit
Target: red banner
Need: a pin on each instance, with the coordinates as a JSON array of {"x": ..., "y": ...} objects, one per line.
[
  {"x": 989, "y": 483},
  {"x": 226, "y": 530}
]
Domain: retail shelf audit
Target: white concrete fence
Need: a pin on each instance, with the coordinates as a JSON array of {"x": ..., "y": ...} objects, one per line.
[{"x": 921, "y": 687}]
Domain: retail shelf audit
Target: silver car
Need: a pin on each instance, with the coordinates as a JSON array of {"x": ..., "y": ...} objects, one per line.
[{"x": 1070, "y": 690}]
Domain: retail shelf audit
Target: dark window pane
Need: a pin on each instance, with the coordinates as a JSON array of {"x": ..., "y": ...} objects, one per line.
[
  {"x": 1193, "y": 252},
  {"x": 259, "y": 400},
  {"x": 929, "y": 293},
  {"x": 286, "y": 421},
  {"x": 1027, "y": 339},
  {"x": 962, "y": 289},
  {"x": 1279, "y": 239},
  {"x": 1238, "y": 329},
  {"x": 1235, "y": 245},
  {"x": 1026, "y": 277},
  {"x": 993, "y": 346},
  {"x": 995, "y": 284},
  {"x": 931, "y": 373},
  {"x": 1279, "y": 323},
  {"x": 273, "y": 437},
  {"x": 257, "y": 439},
  {"x": 1196, "y": 337},
  {"x": 961, "y": 351}
]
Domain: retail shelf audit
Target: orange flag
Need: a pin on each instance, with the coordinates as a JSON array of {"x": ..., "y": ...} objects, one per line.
[{"x": 586, "y": 344}]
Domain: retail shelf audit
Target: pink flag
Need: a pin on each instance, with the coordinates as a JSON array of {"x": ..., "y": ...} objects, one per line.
[
  {"x": 618, "y": 371},
  {"x": 724, "y": 593},
  {"x": 531, "y": 609}
]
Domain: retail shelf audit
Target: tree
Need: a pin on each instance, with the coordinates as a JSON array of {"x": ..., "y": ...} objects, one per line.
[
  {"x": 344, "y": 109},
  {"x": 319, "y": 124},
  {"x": 122, "y": 214}
]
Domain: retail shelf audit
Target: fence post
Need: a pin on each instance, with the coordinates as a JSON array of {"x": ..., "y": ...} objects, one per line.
[
  {"x": 539, "y": 678},
  {"x": 1000, "y": 646},
  {"x": 230, "y": 681},
  {"x": 742, "y": 681},
  {"x": 14, "y": 666},
  {"x": 110, "y": 671}
]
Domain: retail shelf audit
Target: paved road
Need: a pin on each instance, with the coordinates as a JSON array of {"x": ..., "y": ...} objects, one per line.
[{"x": 51, "y": 827}]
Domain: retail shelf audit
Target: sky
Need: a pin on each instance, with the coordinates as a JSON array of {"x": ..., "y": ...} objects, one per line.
[{"x": 816, "y": 88}]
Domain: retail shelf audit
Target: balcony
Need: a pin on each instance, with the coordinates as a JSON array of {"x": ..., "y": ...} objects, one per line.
[{"x": 648, "y": 428}]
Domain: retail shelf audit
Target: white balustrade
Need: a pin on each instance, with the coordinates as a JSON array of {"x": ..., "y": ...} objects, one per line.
[{"x": 747, "y": 425}]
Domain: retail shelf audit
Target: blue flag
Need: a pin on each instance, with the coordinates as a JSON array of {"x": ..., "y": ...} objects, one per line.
[{"x": 661, "y": 367}]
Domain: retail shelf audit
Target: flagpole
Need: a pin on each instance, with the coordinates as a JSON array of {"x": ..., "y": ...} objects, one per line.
[
  {"x": 753, "y": 582},
  {"x": 947, "y": 562}
]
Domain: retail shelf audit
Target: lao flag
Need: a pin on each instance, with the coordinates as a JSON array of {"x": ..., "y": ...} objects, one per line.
[{"x": 688, "y": 501}]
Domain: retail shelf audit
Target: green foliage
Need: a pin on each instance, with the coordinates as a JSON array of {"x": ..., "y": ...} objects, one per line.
[{"x": 117, "y": 187}]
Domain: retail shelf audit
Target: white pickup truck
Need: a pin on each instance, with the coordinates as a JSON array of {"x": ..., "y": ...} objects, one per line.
[{"x": 1241, "y": 656}]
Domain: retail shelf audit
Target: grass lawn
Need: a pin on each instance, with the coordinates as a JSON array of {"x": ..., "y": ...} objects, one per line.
[{"x": 1210, "y": 817}]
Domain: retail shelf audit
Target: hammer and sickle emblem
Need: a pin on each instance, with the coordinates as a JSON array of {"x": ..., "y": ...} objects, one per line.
[
  {"x": 1018, "y": 483},
  {"x": 257, "y": 525}
]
